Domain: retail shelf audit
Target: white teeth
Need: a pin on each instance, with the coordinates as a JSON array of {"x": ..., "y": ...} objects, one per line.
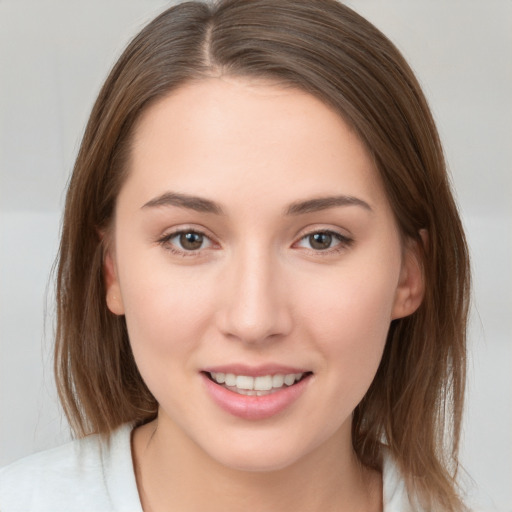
[
  {"x": 230, "y": 379},
  {"x": 289, "y": 379},
  {"x": 263, "y": 383},
  {"x": 278, "y": 381},
  {"x": 244, "y": 382},
  {"x": 247, "y": 385},
  {"x": 220, "y": 377}
]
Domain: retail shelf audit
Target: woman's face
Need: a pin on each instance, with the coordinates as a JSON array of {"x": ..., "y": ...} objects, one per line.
[{"x": 259, "y": 266}]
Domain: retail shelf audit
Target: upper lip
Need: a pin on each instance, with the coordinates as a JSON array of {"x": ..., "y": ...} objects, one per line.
[{"x": 255, "y": 371}]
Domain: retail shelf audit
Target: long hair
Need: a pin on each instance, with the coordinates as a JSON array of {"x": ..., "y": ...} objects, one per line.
[{"x": 415, "y": 402}]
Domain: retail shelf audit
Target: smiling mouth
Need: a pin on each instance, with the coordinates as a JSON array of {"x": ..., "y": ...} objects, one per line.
[{"x": 256, "y": 386}]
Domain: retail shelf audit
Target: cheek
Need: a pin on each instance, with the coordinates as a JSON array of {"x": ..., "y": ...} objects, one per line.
[
  {"x": 165, "y": 311},
  {"x": 349, "y": 318},
  {"x": 165, "y": 321}
]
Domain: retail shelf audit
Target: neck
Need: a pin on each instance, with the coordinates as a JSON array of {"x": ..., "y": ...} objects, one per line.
[{"x": 173, "y": 473}]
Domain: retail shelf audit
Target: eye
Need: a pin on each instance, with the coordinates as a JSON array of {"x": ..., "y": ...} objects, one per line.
[
  {"x": 324, "y": 241},
  {"x": 186, "y": 241}
]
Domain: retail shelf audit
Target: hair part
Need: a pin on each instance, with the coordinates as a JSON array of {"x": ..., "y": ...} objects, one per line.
[{"x": 414, "y": 405}]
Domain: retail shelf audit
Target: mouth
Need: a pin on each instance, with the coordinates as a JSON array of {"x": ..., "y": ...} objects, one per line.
[
  {"x": 256, "y": 393},
  {"x": 261, "y": 385}
]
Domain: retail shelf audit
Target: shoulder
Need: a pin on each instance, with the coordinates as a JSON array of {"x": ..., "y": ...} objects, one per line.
[
  {"x": 93, "y": 473},
  {"x": 394, "y": 490}
]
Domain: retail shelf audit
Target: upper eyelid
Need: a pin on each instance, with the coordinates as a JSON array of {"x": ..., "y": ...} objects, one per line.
[
  {"x": 310, "y": 230},
  {"x": 186, "y": 229},
  {"x": 326, "y": 230},
  {"x": 343, "y": 239},
  {"x": 165, "y": 242}
]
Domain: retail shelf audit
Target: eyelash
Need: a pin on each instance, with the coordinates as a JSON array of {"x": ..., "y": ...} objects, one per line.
[
  {"x": 344, "y": 242},
  {"x": 165, "y": 242}
]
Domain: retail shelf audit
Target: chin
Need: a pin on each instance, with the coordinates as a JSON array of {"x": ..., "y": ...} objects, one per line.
[
  {"x": 263, "y": 454},
  {"x": 264, "y": 461}
]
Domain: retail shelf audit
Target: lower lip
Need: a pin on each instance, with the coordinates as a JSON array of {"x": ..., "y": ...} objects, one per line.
[{"x": 255, "y": 407}]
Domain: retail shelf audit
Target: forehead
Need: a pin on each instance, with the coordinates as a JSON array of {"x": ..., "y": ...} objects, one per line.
[{"x": 243, "y": 135}]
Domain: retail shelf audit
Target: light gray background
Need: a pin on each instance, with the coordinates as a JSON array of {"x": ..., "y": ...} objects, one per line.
[{"x": 54, "y": 55}]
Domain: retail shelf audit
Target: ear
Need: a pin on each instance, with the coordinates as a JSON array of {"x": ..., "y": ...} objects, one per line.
[
  {"x": 411, "y": 286},
  {"x": 113, "y": 298}
]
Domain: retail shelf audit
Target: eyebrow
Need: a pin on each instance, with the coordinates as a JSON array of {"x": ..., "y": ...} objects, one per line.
[
  {"x": 202, "y": 205},
  {"x": 198, "y": 204},
  {"x": 324, "y": 203}
]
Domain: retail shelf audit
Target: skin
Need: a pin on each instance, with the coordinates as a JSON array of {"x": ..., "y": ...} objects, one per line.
[{"x": 256, "y": 292}]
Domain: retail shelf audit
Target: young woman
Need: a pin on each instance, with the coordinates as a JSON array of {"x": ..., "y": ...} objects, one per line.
[{"x": 263, "y": 280}]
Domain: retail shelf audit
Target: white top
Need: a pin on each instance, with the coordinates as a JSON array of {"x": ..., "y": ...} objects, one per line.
[{"x": 96, "y": 474}]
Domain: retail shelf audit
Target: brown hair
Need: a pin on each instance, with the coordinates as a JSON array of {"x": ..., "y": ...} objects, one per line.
[{"x": 414, "y": 404}]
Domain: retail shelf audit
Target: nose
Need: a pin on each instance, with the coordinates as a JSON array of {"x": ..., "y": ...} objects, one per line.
[{"x": 254, "y": 305}]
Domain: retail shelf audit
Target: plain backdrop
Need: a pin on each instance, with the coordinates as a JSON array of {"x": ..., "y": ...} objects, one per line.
[{"x": 54, "y": 55}]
